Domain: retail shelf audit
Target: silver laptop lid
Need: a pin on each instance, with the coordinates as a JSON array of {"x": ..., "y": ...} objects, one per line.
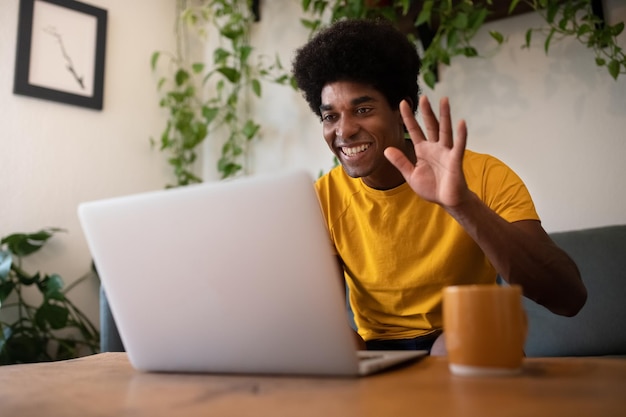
[{"x": 223, "y": 277}]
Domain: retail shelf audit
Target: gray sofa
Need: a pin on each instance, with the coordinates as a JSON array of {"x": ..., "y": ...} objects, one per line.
[
  {"x": 110, "y": 340},
  {"x": 599, "y": 328}
]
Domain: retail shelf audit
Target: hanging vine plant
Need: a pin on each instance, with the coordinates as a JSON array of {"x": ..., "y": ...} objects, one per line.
[
  {"x": 577, "y": 19},
  {"x": 446, "y": 28},
  {"x": 202, "y": 98}
]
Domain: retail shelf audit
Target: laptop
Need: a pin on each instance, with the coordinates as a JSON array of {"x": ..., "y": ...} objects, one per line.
[{"x": 227, "y": 277}]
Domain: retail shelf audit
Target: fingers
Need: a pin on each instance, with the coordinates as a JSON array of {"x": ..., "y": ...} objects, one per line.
[
  {"x": 408, "y": 118},
  {"x": 430, "y": 120},
  {"x": 461, "y": 139},
  {"x": 445, "y": 123},
  {"x": 437, "y": 130},
  {"x": 400, "y": 161}
]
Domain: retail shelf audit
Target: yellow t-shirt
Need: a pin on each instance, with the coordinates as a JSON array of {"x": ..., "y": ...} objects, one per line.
[{"x": 400, "y": 251}]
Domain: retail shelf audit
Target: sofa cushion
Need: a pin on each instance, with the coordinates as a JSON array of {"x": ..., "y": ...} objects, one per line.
[{"x": 600, "y": 327}]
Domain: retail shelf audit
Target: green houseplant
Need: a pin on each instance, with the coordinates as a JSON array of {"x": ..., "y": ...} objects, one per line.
[
  {"x": 205, "y": 99},
  {"x": 202, "y": 98},
  {"x": 52, "y": 329},
  {"x": 446, "y": 27}
]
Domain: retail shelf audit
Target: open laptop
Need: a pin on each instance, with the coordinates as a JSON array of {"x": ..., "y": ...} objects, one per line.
[{"x": 227, "y": 277}]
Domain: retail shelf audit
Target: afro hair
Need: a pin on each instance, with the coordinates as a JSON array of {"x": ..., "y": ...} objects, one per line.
[{"x": 371, "y": 52}]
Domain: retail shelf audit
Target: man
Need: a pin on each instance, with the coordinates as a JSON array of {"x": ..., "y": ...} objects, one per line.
[{"x": 410, "y": 216}]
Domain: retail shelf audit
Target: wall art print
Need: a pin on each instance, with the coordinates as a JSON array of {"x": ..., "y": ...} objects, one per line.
[{"x": 61, "y": 51}]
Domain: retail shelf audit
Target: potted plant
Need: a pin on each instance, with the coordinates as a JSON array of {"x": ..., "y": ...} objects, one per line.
[{"x": 53, "y": 328}]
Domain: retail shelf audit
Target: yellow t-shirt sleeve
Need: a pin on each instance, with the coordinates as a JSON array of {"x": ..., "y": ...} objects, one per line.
[{"x": 499, "y": 187}]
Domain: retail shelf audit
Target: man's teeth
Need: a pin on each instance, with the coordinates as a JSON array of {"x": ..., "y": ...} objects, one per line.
[{"x": 354, "y": 150}]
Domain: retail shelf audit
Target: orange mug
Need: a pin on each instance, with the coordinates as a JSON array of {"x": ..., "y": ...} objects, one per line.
[{"x": 485, "y": 329}]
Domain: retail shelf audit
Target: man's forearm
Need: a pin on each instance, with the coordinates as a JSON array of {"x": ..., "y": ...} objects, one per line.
[{"x": 524, "y": 254}]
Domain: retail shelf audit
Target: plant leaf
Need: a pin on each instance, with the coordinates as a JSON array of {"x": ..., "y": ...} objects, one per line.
[
  {"x": 23, "y": 244},
  {"x": 25, "y": 279},
  {"x": 310, "y": 24},
  {"x": 6, "y": 288},
  {"x": 477, "y": 18},
  {"x": 528, "y": 37},
  {"x": 584, "y": 28},
  {"x": 552, "y": 10},
  {"x": 181, "y": 77},
  {"x": 154, "y": 59},
  {"x": 256, "y": 87},
  {"x": 210, "y": 113},
  {"x": 546, "y": 45},
  {"x": 425, "y": 14},
  {"x": 453, "y": 38},
  {"x": 469, "y": 51},
  {"x": 244, "y": 52},
  {"x": 614, "y": 67},
  {"x": 231, "y": 74},
  {"x": 56, "y": 316},
  {"x": 513, "y": 5},
  {"x": 197, "y": 67},
  {"x": 460, "y": 21},
  {"x": 51, "y": 287},
  {"x": 220, "y": 55},
  {"x": 497, "y": 36},
  {"x": 250, "y": 129},
  {"x": 430, "y": 79},
  {"x": 25, "y": 347}
]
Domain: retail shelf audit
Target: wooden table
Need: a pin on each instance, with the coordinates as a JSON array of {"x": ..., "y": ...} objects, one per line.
[{"x": 106, "y": 385}]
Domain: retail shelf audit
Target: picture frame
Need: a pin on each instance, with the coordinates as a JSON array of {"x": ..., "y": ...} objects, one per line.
[{"x": 61, "y": 52}]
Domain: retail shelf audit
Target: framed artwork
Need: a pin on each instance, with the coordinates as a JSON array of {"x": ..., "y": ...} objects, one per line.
[{"x": 60, "y": 52}]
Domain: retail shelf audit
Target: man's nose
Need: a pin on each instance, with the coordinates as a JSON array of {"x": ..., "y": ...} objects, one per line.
[{"x": 346, "y": 127}]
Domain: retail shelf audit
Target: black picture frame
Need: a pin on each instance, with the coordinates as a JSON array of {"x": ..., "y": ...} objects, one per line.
[{"x": 61, "y": 51}]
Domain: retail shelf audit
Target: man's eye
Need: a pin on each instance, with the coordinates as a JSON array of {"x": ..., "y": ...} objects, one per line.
[
  {"x": 363, "y": 110},
  {"x": 328, "y": 117}
]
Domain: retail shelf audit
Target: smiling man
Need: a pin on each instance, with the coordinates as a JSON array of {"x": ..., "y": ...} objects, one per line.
[{"x": 410, "y": 215}]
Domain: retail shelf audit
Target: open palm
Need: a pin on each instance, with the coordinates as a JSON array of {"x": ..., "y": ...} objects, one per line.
[{"x": 438, "y": 174}]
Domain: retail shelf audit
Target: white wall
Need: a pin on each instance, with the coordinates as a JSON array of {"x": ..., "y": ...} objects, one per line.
[
  {"x": 557, "y": 120},
  {"x": 53, "y": 155}
]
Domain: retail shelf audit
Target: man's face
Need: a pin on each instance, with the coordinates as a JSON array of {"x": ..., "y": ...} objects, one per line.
[{"x": 358, "y": 125}]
